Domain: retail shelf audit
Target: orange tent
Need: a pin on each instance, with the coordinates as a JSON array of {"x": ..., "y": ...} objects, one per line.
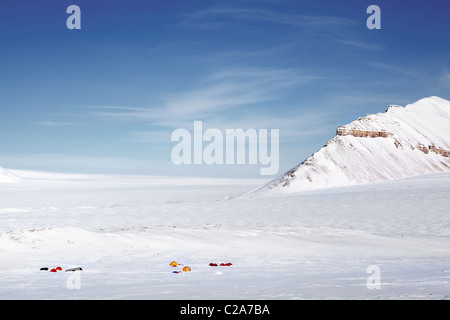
[
  {"x": 173, "y": 264},
  {"x": 186, "y": 269}
]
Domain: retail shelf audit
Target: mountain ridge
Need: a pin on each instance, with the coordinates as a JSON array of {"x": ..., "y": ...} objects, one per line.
[{"x": 401, "y": 142}]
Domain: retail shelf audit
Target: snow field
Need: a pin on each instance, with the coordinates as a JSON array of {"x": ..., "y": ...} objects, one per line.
[{"x": 124, "y": 231}]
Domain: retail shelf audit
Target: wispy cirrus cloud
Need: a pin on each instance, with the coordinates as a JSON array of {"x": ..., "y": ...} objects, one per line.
[
  {"x": 312, "y": 29},
  {"x": 152, "y": 137},
  {"x": 55, "y": 123},
  {"x": 444, "y": 79},
  {"x": 218, "y": 93},
  {"x": 359, "y": 44},
  {"x": 228, "y": 16},
  {"x": 395, "y": 69}
]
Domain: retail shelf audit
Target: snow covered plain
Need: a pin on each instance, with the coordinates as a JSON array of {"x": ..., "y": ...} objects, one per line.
[{"x": 124, "y": 231}]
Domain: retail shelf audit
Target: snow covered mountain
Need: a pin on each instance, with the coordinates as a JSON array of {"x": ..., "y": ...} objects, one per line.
[
  {"x": 401, "y": 142},
  {"x": 8, "y": 177}
]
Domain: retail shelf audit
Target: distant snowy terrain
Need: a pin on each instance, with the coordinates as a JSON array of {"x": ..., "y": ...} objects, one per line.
[
  {"x": 123, "y": 231},
  {"x": 402, "y": 142},
  {"x": 8, "y": 177}
]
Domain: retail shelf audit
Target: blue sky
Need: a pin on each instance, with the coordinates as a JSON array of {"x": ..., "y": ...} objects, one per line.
[{"x": 105, "y": 99}]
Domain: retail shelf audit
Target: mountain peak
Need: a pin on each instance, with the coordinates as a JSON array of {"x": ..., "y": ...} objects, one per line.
[{"x": 399, "y": 143}]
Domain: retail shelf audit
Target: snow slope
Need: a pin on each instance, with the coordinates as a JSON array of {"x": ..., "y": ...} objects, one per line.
[
  {"x": 124, "y": 231},
  {"x": 401, "y": 142},
  {"x": 8, "y": 177}
]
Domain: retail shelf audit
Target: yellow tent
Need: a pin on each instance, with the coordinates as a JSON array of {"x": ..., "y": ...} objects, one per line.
[{"x": 186, "y": 269}]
